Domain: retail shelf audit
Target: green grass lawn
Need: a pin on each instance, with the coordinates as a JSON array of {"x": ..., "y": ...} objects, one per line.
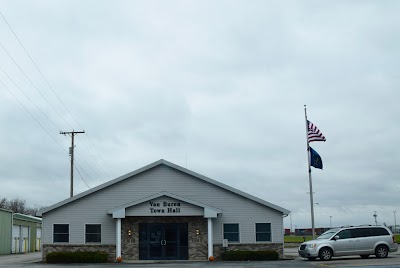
[
  {"x": 296, "y": 239},
  {"x": 299, "y": 239}
]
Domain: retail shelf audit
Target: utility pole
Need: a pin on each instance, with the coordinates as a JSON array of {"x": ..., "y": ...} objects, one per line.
[
  {"x": 71, "y": 153},
  {"x": 394, "y": 213}
]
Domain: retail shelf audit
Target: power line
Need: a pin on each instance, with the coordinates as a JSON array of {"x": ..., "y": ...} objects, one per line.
[
  {"x": 83, "y": 170},
  {"x": 47, "y": 82},
  {"x": 26, "y": 76},
  {"x": 90, "y": 153},
  {"x": 29, "y": 98},
  {"x": 81, "y": 176},
  {"x": 41, "y": 94},
  {"x": 94, "y": 171},
  {"x": 37, "y": 68},
  {"x": 37, "y": 121}
]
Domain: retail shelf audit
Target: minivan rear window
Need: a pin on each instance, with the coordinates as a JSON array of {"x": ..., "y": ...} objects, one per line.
[{"x": 379, "y": 231}]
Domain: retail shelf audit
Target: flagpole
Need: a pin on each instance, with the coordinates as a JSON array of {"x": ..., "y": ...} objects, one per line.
[{"x": 309, "y": 177}]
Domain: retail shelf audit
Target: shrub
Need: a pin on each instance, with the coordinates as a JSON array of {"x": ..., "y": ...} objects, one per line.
[
  {"x": 241, "y": 255},
  {"x": 76, "y": 257}
]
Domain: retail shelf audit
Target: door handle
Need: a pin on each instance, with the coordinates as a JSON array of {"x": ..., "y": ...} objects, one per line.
[{"x": 163, "y": 242}]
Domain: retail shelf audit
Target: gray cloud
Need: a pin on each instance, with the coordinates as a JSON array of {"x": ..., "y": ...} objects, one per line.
[{"x": 218, "y": 87}]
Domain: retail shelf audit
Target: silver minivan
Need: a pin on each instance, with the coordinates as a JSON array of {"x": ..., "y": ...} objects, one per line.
[{"x": 360, "y": 240}]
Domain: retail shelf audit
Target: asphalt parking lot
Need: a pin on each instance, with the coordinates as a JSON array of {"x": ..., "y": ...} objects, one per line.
[{"x": 293, "y": 261}]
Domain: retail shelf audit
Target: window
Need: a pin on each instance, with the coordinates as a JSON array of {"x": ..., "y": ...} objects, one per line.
[
  {"x": 379, "y": 231},
  {"x": 93, "y": 233},
  {"x": 61, "y": 233},
  {"x": 360, "y": 232},
  {"x": 344, "y": 234},
  {"x": 231, "y": 232},
  {"x": 263, "y": 232}
]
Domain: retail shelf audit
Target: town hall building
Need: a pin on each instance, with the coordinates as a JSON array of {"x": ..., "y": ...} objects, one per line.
[{"x": 162, "y": 212}]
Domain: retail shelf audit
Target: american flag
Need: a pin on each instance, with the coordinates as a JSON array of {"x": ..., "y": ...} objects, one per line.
[{"x": 313, "y": 133}]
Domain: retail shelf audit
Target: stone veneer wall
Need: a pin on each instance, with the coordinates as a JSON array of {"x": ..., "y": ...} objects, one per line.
[
  {"x": 278, "y": 247},
  {"x": 197, "y": 243},
  {"x": 110, "y": 249}
]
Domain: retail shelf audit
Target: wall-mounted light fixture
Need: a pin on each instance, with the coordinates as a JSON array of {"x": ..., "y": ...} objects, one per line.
[
  {"x": 197, "y": 232},
  {"x": 129, "y": 232}
]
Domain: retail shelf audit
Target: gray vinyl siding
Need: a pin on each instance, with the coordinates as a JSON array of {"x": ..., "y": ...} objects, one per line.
[{"x": 93, "y": 207}]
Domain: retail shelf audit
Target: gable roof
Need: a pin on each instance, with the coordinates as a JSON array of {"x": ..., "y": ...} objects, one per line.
[{"x": 171, "y": 165}]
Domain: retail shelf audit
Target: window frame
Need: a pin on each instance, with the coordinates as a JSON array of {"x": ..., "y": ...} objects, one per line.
[
  {"x": 223, "y": 232},
  {"x": 69, "y": 233},
  {"x": 270, "y": 232},
  {"x": 84, "y": 233}
]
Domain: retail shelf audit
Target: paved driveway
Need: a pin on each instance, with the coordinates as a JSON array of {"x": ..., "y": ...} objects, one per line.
[
  {"x": 18, "y": 259},
  {"x": 33, "y": 260}
]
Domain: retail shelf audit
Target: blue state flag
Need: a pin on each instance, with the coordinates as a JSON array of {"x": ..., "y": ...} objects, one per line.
[{"x": 315, "y": 160}]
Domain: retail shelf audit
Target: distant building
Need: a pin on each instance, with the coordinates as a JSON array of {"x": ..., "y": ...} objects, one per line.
[
  {"x": 19, "y": 233},
  {"x": 162, "y": 211},
  {"x": 308, "y": 231},
  {"x": 6, "y": 222},
  {"x": 27, "y": 233}
]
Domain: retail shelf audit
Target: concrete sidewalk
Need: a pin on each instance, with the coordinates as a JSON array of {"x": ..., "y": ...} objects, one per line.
[
  {"x": 24, "y": 258},
  {"x": 291, "y": 253}
]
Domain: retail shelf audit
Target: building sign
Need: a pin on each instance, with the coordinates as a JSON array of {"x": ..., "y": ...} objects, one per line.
[{"x": 164, "y": 207}]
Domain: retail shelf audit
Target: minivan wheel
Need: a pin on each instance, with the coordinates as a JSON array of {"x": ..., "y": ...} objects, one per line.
[
  {"x": 381, "y": 251},
  {"x": 364, "y": 256},
  {"x": 325, "y": 254}
]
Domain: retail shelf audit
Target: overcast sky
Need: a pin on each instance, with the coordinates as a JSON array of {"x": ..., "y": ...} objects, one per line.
[{"x": 218, "y": 87}]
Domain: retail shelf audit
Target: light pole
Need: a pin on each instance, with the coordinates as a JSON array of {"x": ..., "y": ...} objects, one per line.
[
  {"x": 290, "y": 223},
  {"x": 330, "y": 221},
  {"x": 375, "y": 216},
  {"x": 394, "y": 213}
]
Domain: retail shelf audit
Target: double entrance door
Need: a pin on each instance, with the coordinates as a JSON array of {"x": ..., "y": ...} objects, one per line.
[{"x": 163, "y": 241}]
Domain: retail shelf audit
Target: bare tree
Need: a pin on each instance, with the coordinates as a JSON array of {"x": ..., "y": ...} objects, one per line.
[
  {"x": 3, "y": 203},
  {"x": 18, "y": 205}
]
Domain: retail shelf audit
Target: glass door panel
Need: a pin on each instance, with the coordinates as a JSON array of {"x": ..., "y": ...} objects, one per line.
[
  {"x": 155, "y": 237},
  {"x": 171, "y": 241}
]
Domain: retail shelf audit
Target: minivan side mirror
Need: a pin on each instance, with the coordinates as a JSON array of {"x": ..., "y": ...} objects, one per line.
[{"x": 336, "y": 237}]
